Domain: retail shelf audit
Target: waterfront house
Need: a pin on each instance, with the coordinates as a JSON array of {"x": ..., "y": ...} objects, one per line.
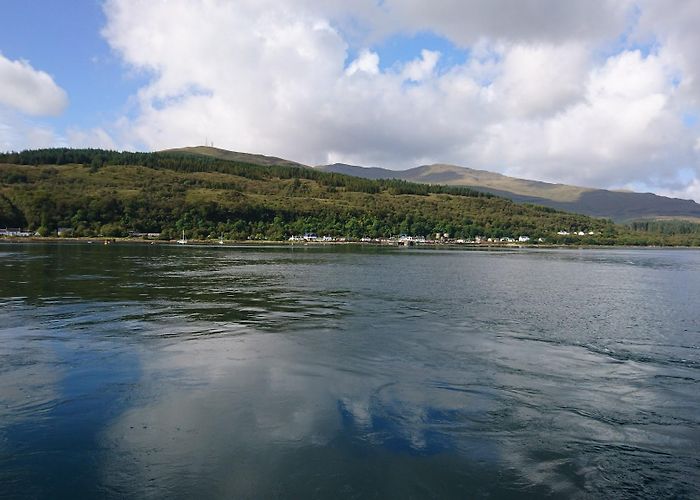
[{"x": 16, "y": 232}]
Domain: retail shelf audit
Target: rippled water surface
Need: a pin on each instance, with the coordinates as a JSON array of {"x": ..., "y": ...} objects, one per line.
[{"x": 186, "y": 372}]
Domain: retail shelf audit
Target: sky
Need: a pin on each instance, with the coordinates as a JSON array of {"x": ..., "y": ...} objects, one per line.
[{"x": 601, "y": 93}]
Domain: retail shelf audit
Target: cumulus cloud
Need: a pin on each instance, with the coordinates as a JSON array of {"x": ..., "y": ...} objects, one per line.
[
  {"x": 367, "y": 62},
  {"x": 520, "y": 21},
  {"x": 27, "y": 94},
  {"x": 675, "y": 32},
  {"x": 96, "y": 137},
  {"x": 550, "y": 90},
  {"x": 541, "y": 79},
  {"x": 624, "y": 127},
  {"x": 28, "y": 90},
  {"x": 18, "y": 132},
  {"x": 420, "y": 69},
  {"x": 690, "y": 191}
]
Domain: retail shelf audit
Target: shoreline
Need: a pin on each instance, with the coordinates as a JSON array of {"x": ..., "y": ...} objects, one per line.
[{"x": 285, "y": 243}]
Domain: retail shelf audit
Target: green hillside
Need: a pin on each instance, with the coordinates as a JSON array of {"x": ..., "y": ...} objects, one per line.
[
  {"x": 95, "y": 192},
  {"x": 620, "y": 206}
]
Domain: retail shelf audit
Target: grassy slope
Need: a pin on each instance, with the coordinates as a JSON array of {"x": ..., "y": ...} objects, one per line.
[
  {"x": 617, "y": 205},
  {"x": 152, "y": 199},
  {"x": 454, "y": 175},
  {"x": 223, "y": 154}
]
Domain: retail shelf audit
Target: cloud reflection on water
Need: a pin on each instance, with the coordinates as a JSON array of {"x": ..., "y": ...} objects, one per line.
[{"x": 442, "y": 373}]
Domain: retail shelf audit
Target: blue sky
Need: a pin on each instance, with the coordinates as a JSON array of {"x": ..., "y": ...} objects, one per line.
[
  {"x": 603, "y": 94},
  {"x": 403, "y": 47},
  {"x": 69, "y": 46},
  {"x": 63, "y": 39}
]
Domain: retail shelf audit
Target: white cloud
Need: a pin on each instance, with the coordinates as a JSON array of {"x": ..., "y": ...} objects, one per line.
[
  {"x": 691, "y": 191},
  {"x": 541, "y": 78},
  {"x": 96, "y": 137},
  {"x": 546, "y": 92},
  {"x": 17, "y": 132},
  {"x": 27, "y": 93},
  {"x": 29, "y": 90},
  {"x": 366, "y": 62},
  {"x": 520, "y": 21},
  {"x": 625, "y": 127},
  {"x": 420, "y": 69},
  {"x": 675, "y": 30}
]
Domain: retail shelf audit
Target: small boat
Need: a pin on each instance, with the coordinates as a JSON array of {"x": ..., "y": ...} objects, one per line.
[{"x": 183, "y": 240}]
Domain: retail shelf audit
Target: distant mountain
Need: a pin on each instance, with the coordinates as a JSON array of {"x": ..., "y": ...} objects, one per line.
[
  {"x": 617, "y": 205},
  {"x": 223, "y": 154}
]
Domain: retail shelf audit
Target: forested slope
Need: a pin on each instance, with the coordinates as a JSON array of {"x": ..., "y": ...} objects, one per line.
[{"x": 97, "y": 192}]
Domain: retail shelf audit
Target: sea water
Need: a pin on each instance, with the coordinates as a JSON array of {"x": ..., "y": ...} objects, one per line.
[{"x": 155, "y": 371}]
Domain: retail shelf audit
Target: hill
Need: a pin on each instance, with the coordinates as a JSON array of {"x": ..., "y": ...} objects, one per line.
[
  {"x": 620, "y": 206},
  {"x": 223, "y": 154},
  {"x": 91, "y": 192}
]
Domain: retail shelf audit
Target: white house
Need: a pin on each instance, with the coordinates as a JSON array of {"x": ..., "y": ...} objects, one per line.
[{"x": 15, "y": 231}]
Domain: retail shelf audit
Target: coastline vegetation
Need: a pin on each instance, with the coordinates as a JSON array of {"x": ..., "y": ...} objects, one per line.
[{"x": 93, "y": 192}]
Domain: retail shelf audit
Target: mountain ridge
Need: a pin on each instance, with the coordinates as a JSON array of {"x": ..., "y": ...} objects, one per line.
[{"x": 620, "y": 206}]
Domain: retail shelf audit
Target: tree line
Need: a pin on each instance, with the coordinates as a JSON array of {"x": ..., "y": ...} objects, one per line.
[{"x": 95, "y": 192}]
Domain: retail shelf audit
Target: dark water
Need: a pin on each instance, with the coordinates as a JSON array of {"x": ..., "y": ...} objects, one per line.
[{"x": 184, "y": 372}]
